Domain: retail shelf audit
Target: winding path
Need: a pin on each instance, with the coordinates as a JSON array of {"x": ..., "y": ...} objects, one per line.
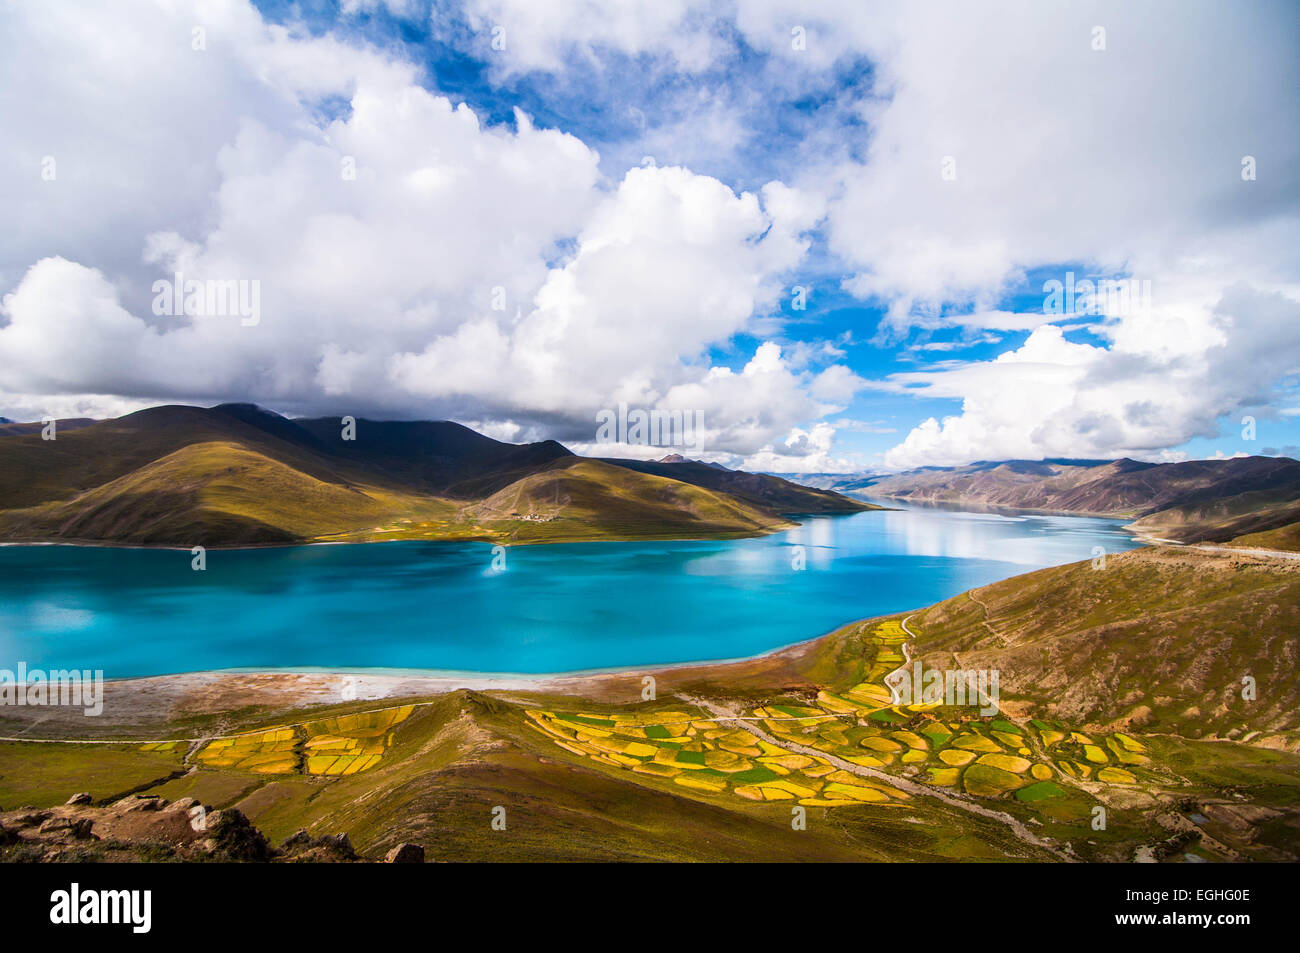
[
  {"x": 907, "y": 660},
  {"x": 906, "y": 629},
  {"x": 1019, "y": 829}
]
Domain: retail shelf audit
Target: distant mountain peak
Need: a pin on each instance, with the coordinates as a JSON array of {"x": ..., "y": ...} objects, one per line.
[
  {"x": 672, "y": 458},
  {"x": 244, "y": 409}
]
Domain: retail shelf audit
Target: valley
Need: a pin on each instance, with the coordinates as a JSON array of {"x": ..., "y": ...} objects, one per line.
[
  {"x": 1192, "y": 502},
  {"x": 1107, "y": 703}
]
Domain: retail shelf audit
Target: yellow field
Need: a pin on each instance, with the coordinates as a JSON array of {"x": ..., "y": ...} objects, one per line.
[
  {"x": 264, "y": 752},
  {"x": 346, "y": 744},
  {"x": 953, "y": 747}
]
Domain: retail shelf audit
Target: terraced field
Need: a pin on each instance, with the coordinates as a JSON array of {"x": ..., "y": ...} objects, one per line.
[
  {"x": 950, "y": 747},
  {"x": 697, "y": 752},
  {"x": 346, "y": 744}
]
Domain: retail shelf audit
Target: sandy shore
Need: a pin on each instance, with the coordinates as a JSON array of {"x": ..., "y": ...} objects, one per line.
[{"x": 136, "y": 707}]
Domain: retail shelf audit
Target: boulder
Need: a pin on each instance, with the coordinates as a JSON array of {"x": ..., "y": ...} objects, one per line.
[
  {"x": 76, "y": 799},
  {"x": 301, "y": 847},
  {"x": 78, "y": 827},
  {"x": 405, "y": 854},
  {"x": 297, "y": 840},
  {"x": 232, "y": 834},
  {"x": 139, "y": 802},
  {"x": 339, "y": 844}
]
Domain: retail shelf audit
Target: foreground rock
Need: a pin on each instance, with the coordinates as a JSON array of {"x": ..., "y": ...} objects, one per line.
[
  {"x": 149, "y": 828},
  {"x": 330, "y": 849},
  {"x": 405, "y": 854}
]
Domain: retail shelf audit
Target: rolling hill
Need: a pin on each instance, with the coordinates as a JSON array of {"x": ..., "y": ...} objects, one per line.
[
  {"x": 236, "y": 474},
  {"x": 216, "y": 490},
  {"x": 575, "y": 497},
  {"x": 759, "y": 489},
  {"x": 1160, "y": 639},
  {"x": 1194, "y": 501}
]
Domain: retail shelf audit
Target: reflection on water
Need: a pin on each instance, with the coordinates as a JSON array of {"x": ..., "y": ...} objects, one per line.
[{"x": 1027, "y": 540}]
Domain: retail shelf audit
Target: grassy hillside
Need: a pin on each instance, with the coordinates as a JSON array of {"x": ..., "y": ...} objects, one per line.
[
  {"x": 34, "y": 471},
  {"x": 239, "y": 475},
  {"x": 66, "y": 425},
  {"x": 1158, "y": 639},
  {"x": 1284, "y": 537},
  {"x": 578, "y": 498},
  {"x": 217, "y": 491}
]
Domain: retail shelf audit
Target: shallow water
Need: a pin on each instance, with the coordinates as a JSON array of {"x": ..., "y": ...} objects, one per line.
[{"x": 558, "y": 608}]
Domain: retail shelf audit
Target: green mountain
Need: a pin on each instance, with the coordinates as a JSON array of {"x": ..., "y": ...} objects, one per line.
[{"x": 236, "y": 474}]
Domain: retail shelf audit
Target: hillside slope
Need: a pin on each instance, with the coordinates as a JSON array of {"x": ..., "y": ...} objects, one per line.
[
  {"x": 577, "y": 497},
  {"x": 1284, "y": 537},
  {"x": 1221, "y": 520},
  {"x": 236, "y": 474},
  {"x": 1160, "y": 639},
  {"x": 1195, "y": 501},
  {"x": 434, "y": 456},
  {"x": 759, "y": 489},
  {"x": 34, "y": 471},
  {"x": 216, "y": 491}
]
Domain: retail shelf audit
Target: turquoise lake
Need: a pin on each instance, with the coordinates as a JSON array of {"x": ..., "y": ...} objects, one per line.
[{"x": 555, "y": 608}]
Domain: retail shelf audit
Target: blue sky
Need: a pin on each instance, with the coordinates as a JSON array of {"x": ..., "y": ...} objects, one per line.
[
  {"x": 649, "y": 186},
  {"x": 459, "y": 64}
]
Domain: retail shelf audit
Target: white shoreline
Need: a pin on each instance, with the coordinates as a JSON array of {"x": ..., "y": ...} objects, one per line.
[{"x": 440, "y": 674}]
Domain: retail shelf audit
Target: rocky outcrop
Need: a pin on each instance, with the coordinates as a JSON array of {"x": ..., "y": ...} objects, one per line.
[
  {"x": 139, "y": 827},
  {"x": 405, "y": 854},
  {"x": 301, "y": 847}
]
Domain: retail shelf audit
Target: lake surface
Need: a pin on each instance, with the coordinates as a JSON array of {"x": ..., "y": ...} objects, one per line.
[{"x": 556, "y": 608}]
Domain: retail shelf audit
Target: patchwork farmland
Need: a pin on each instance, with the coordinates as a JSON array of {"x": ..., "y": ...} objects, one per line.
[{"x": 943, "y": 746}]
